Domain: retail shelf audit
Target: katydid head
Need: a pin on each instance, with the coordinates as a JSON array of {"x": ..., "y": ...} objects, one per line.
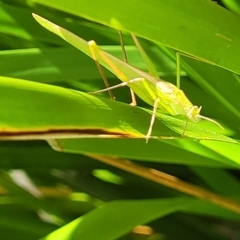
[{"x": 193, "y": 115}]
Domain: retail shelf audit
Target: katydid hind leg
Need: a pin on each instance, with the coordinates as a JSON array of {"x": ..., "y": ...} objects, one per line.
[
  {"x": 178, "y": 82},
  {"x": 133, "y": 97}
]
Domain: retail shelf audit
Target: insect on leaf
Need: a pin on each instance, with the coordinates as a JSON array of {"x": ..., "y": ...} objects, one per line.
[{"x": 172, "y": 99}]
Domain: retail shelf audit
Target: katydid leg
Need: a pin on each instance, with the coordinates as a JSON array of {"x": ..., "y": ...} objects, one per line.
[
  {"x": 100, "y": 69},
  {"x": 119, "y": 85},
  {"x": 178, "y": 69},
  {"x": 134, "y": 101},
  {"x": 155, "y": 107}
]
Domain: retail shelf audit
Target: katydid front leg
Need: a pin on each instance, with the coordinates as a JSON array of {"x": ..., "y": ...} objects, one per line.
[{"x": 100, "y": 69}]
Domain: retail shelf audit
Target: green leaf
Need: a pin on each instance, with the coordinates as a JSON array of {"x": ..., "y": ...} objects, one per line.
[
  {"x": 40, "y": 111},
  {"x": 171, "y": 23},
  {"x": 114, "y": 219}
]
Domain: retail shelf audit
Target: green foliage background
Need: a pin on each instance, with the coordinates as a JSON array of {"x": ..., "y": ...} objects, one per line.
[{"x": 42, "y": 190}]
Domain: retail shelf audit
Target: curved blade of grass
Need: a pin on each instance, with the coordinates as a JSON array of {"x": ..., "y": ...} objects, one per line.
[
  {"x": 182, "y": 151},
  {"x": 40, "y": 111},
  {"x": 205, "y": 34},
  {"x": 117, "y": 218}
]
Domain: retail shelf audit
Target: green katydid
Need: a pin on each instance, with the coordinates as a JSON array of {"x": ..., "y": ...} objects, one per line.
[{"x": 163, "y": 96}]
